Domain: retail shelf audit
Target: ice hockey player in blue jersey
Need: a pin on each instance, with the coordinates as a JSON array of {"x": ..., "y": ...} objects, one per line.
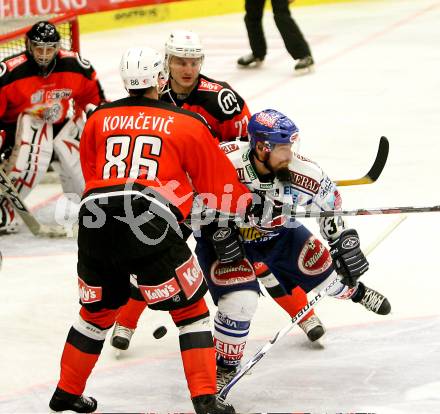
[{"x": 270, "y": 166}]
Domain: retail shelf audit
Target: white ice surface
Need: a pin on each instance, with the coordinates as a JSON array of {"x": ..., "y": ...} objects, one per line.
[{"x": 377, "y": 73}]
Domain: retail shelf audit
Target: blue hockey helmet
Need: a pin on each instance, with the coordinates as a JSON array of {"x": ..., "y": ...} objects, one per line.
[{"x": 271, "y": 127}]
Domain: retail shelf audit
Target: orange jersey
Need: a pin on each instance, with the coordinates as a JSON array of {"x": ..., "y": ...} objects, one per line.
[
  {"x": 223, "y": 108},
  {"x": 24, "y": 90},
  {"x": 157, "y": 145}
]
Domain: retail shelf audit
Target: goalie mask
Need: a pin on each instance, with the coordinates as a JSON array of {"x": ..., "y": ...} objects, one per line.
[
  {"x": 142, "y": 68},
  {"x": 43, "y": 43}
]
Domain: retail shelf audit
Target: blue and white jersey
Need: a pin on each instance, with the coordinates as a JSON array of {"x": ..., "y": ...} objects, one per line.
[{"x": 310, "y": 188}]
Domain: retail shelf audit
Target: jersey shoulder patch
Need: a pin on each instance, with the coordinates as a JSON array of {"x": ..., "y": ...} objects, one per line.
[
  {"x": 218, "y": 98},
  {"x": 84, "y": 63},
  {"x": 228, "y": 147},
  {"x": 14, "y": 62},
  {"x": 69, "y": 61},
  {"x": 306, "y": 174},
  {"x": 208, "y": 86},
  {"x": 234, "y": 151},
  {"x": 66, "y": 53}
]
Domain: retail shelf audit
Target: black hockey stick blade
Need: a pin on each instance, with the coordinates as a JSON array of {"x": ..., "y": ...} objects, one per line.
[{"x": 375, "y": 170}]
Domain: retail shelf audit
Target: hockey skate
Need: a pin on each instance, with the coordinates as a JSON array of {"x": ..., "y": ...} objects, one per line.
[
  {"x": 304, "y": 65},
  {"x": 224, "y": 376},
  {"x": 121, "y": 337},
  {"x": 249, "y": 60},
  {"x": 313, "y": 328},
  {"x": 372, "y": 300},
  {"x": 8, "y": 222},
  {"x": 208, "y": 404},
  {"x": 64, "y": 401}
]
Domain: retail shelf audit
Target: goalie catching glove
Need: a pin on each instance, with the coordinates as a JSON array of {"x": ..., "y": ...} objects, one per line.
[{"x": 348, "y": 259}]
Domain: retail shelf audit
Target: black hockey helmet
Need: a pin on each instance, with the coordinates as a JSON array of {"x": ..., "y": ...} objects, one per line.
[
  {"x": 43, "y": 42},
  {"x": 43, "y": 32}
]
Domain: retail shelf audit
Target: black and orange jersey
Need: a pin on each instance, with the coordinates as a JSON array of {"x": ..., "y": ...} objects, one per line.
[
  {"x": 223, "y": 108},
  {"x": 158, "y": 145},
  {"x": 24, "y": 90}
]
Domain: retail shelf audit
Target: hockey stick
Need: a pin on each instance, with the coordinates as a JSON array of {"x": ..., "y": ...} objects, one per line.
[
  {"x": 36, "y": 228},
  {"x": 295, "y": 319},
  {"x": 375, "y": 170},
  {"x": 367, "y": 212},
  {"x": 329, "y": 213}
]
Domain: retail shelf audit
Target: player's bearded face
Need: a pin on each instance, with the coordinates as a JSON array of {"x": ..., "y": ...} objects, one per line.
[
  {"x": 184, "y": 71},
  {"x": 279, "y": 160}
]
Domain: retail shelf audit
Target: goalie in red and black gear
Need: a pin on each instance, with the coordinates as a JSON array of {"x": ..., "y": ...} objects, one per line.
[
  {"x": 142, "y": 159},
  {"x": 54, "y": 86}
]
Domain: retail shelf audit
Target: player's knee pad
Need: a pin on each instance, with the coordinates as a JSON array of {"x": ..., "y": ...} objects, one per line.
[
  {"x": 97, "y": 322},
  {"x": 31, "y": 154},
  {"x": 200, "y": 325},
  {"x": 190, "y": 316},
  {"x": 68, "y": 166},
  {"x": 273, "y": 286},
  {"x": 268, "y": 280},
  {"x": 231, "y": 325},
  {"x": 240, "y": 304}
]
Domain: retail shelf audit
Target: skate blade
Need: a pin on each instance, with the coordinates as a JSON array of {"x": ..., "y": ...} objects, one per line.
[
  {"x": 318, "y": 344},
  {"x": 118, "y": 353},
  {"x": 254, "y": 65},
  {"x": 67, "y": 411},
  {"x": 305, "y": 71},
  {"x": 9, "y": 230}
]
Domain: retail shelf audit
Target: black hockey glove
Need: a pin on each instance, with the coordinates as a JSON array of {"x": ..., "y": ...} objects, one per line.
[
  {"x": 263, "y": 213},
  {"x": 348, "y": 259},
  {"x": 228, "y": 244}
]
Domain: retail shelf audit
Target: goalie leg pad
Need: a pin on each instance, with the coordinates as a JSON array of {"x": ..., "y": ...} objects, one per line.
[
  {"x": 231, "y": 326},
  {"x": 68, "y": 166},
  {"x": 8, "y": 224},
  {"x": 31, "y": 154}
]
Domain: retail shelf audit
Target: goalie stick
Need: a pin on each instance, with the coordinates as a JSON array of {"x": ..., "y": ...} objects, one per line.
[
  {"x": 36, "y": 228},
  {"x": 375, "y": 170},
  {"x": 295, "y": 319}
]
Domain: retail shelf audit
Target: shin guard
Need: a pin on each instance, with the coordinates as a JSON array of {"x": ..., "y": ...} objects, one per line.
[
  {"x": 82, "y": 349},
  {"x": 197, "y": 348}
]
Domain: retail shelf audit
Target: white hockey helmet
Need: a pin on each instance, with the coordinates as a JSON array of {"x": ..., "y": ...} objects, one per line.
[
  {"x": 142, "y": 67},
  {"x": 185, "y": 44}
]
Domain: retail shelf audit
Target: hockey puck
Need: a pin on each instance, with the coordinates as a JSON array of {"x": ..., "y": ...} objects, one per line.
[{"x": 160, "y": 332}]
